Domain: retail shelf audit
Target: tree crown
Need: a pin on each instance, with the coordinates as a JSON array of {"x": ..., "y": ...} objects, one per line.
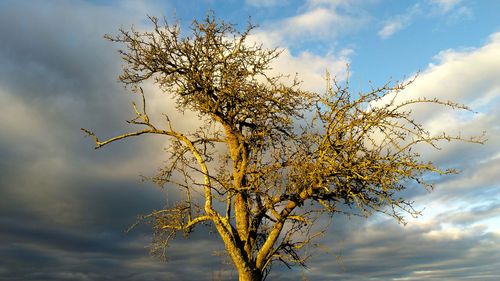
[{"x": 271, "y": 158}]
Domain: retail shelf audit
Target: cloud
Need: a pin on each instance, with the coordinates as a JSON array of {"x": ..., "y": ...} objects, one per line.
[
  {"x": 458, "y": 236},
  {"x": 265, "y": 3},
  {"x": 312, "y": 20},
  {"x": 391, "y": 27},
  {"x": 450, "y": 10},
  {"x": 318, "y": 21},
  {"x": 64, "y": 207},
  {"x": 100, "y": 254},
  {"x": 308, "y": 66},
  {"x": 399, "y": 22},
  {"x": 51, "y": 88},
  {"x": 446, "y": 5},
  {"x": 314, "y": 78},
  {"x": 317, "y": 25},
  {"x": 381, "y": 249},
  {"x": 58, "y": 74},
  {"x": 465, "y": 76},
  {"x": 453, "y": 11}
]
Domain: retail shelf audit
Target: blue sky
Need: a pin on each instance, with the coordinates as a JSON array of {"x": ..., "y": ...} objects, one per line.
[{"x": 64, "y": 207}]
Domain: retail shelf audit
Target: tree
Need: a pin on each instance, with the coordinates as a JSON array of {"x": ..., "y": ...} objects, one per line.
[{"x": 269, "y": 159}]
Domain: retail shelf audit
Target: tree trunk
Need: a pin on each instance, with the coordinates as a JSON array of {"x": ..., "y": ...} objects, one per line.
[{"x": 247, "y": 274}]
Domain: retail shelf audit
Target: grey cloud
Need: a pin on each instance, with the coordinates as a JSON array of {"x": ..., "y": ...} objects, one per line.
[
  {"x": 63, "y": 212},
  {"x": 57, "y": 254},
  {"x": 387, "y": 251},
  {"x": 52, "y": 48},
  {"x": 475, "y": 215}
]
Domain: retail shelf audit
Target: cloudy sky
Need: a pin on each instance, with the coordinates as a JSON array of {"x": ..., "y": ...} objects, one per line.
[{"x": 64, "y": 206}]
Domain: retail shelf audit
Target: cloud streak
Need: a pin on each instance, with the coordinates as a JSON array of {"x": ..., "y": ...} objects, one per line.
[
  {"x": 399, "y": 22},
  {"x": 424, "y": 11}
]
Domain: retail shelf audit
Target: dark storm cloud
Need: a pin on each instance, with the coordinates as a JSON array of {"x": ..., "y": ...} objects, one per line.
[
  {"x": 64, "y": 207},
  {"x": 98, "y": 255},
  {"x": 55, "y": 46},
  {"x": 385, "y": 250}
]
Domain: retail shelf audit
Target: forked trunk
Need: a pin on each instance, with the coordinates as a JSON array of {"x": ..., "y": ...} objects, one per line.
[{"x": 247, "y": 274}]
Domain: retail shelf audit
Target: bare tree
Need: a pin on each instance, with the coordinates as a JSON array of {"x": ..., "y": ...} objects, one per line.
[{"x": 270, "y": 158}]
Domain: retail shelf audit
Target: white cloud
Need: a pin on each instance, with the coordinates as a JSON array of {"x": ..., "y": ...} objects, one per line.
[
  {"x": 313, "y": 20},
  {"x": 318, "y": 20},
  {"x": 399, "y": 22},
  {"x": 446, "y": 5},
  {"x": 450, "y": 10},
  {"x": 467, "y": 76},
  {"x": 320, "y": 23},
  {"x": 390, "y": 28},
  {"x": 264, "y": 3},
  {"x": 466, "y": 205},
  {"x": 309, "y": 67},
  {"x": 337, "y": 3},
  {"x": 312, "y": 68},
  {"x": 463, "y": 211},
  {"x": 453, "y": 11}
]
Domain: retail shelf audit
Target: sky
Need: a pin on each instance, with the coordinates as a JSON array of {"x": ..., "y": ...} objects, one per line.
[{"x": 64, "y": 206}]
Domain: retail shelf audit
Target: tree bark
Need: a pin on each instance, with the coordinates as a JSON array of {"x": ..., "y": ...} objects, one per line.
[
  {"x": 239, "y": 157},
  {"x": 248, "y": 274}
]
